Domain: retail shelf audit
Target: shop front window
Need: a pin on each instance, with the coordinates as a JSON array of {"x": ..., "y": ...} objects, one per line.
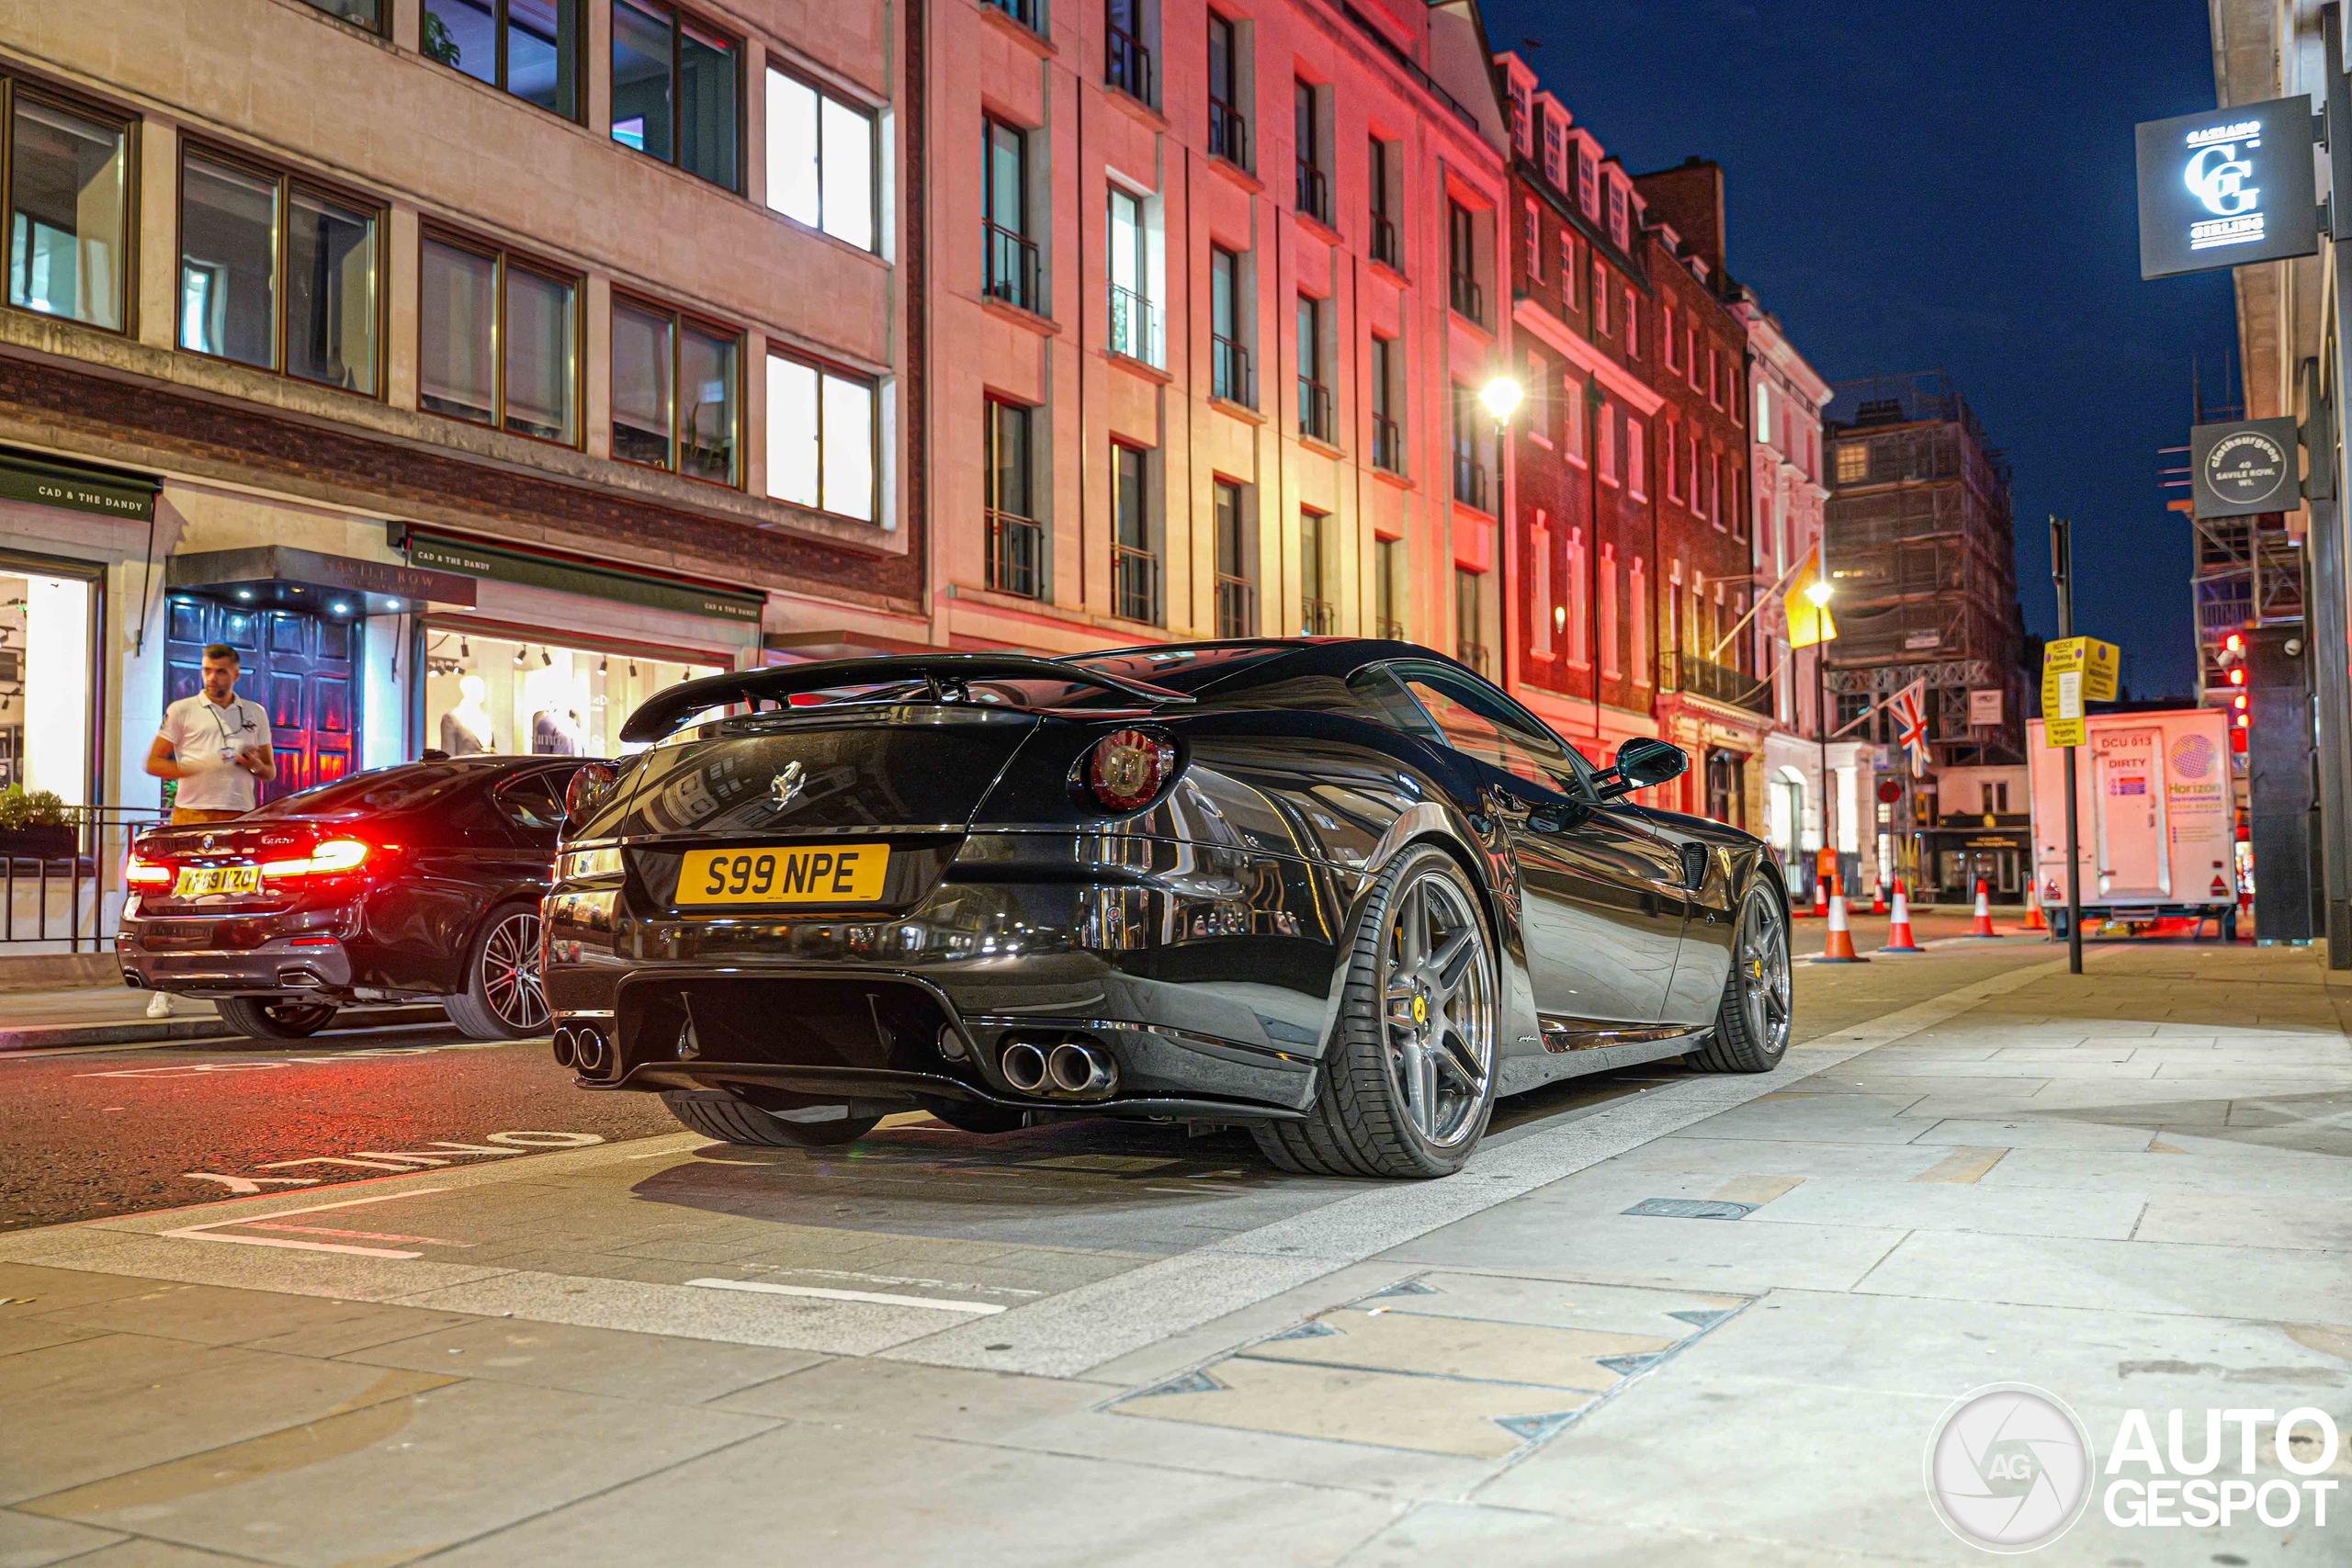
[
  {"x": 46, "y": 624},
  {"x": 527, "y": 698}
]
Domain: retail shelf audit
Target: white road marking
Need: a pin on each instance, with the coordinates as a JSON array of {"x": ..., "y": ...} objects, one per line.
[
  {"x": 243, "y": 1184},
  {"x": 208, "y": 1232},
  {"x": 876, "y": 1298},
  {"x": 363, "y": 1235}
]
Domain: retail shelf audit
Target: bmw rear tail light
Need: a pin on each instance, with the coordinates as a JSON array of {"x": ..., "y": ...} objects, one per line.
[
  {"x": 141, "y": 871},
  {"x": 588, "y": 787},
  {"x": 1128, "y": 768},
  {"x": 334, "y": 857}
]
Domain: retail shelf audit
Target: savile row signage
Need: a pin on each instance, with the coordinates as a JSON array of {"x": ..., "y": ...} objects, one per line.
[
  {"x": 2227, "y": 187},
  {"x": 2243, "y": 468}
]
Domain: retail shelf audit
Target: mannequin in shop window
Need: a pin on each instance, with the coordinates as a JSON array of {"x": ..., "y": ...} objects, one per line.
[
  {"x": 466, "y": 729},
  {"x": 557, "y": 732}
]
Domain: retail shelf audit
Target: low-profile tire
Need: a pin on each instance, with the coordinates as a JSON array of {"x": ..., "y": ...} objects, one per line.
[
  {"x": 267, "y": 1017},
  {"x": 715, "y": 1113},
  {"x": 1752, "y": 1021},
  {"x": 1407, "y": 1076},
  {"x": 502, "y": 998},
  {"x": 977, "y": 1116}
]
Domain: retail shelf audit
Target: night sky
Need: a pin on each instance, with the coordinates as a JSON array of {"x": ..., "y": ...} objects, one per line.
[{"x": 1913, "y": 186}]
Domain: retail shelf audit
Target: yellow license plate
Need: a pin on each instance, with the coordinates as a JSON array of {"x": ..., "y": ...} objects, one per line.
[
  {"x": 203, "y": 881},
  {"x": 805, "y": 874}
]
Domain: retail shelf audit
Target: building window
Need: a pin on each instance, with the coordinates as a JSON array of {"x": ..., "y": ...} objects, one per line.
[
  {"x": 1605, "y": 419},
  {"x": 1574, "y": 413},
  {"x": 497, "y": 341},
  {"x": 1469, "y": 471},
  {"x": 1587, "y": 184},
  {"x": 1539, "y": 560},
  {"x": 1532, "y": 238},
  {"x": 1607, "y": 594},
  {"x": 1690, "y": 354},
  {"x": 1011, "y": 255},
  {"x": 1462, "y": 253},
  {"x": 1025, "y": 12},
  {"x": 1716, "y": 377},
  {"x": 1313, "y": 393},
  {"x": 1134, "y": 564},
  {"x": 1015, "y": 540},
  {"x": 1763, "y": 412},
  {"x": 1126, "y": 64},
  {"x": 674, "y": 399},
  {"x": 675, "y": 90},
  {"x": 1698, "y": 500},
  {"x": 1388, "y": 589},
  {"x": 1135, "y": 319},
  {"x": 69, "y": 213},
  {"x": 1600, "y": 299},
  {"x": 531, "y": 48},
  {"x": 1470, "y": 619},
  {"x": 1853, "y": 463},
  {"x": 1735, "y": 496},
  {"x": 824, "y": 441},
  {"x": 1386, "y": 247},
  {"x": 820, "y": 160},
  {"x": 1228, "y": 128},
  {"x": 1523, "y": 122},
  {"x": 1388, "y": 378},
  {"x": 1633, "y": 325},
  {"x": 1715, "y": 486},
  {"x": 368, "y": 13},
  {"x": 1668, "y": 451},
  {"x": 1555, "y": 150},
  {"x": 1317, "y": 615},
  {"x": 1619, "y": 230},
  {"x": 1237, "y": 593},
  {"x": 1313, "y": 185},
  {"x": 251, "y": 241},
  {"x": 1636, "y": 484},
  {"x": 1637, "y": 600},
  {"x": 1666, "y": 333},
  {"x": 1229, "y": 375}
]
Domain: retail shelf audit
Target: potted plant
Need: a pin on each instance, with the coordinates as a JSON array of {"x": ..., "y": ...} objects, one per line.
[{"x": 36, "y": 825}]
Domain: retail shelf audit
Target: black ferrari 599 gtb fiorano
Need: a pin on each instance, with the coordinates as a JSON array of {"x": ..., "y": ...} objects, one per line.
[{"x": 1343, "y": 892}]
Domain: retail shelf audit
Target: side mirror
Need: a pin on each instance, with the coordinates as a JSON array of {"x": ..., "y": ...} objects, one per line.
[{"x": 1640, "y": 762}]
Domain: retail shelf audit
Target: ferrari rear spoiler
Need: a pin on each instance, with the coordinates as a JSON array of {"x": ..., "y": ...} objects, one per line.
[{"x": 948, "y": 676}]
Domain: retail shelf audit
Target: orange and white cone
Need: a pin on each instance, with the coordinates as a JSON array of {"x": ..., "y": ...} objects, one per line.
[
  {"x": 1984, "y": 926},
  {"x": 1898, "y": 925},
  {"x": 2035, "y": 920},
  {"x": 1840, "y": 948},
  {"x": 1878, "y": 898},
  {"x": 1820, "y": 909}
]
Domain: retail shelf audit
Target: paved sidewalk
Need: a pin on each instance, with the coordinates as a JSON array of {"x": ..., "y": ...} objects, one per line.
[{"x": 1081, "y": 1346}]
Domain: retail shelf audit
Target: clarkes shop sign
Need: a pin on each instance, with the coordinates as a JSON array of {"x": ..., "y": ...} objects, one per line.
[{"x": 2227, "y": 187}]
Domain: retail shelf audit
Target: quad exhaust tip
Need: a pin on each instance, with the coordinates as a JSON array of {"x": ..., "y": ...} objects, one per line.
[
  {"x": 1023, "y": 1065},
  {"x": 564, "y": 1047},
  {"x": 580, "y": 1047},
  {"x": 1066, "y": 1069}
]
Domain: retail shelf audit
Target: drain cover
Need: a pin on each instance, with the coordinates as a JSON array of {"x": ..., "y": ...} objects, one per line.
[{"x": 1691, "y": 1209}]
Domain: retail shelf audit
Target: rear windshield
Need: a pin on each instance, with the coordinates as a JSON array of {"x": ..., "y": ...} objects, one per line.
[
  {"x": 1175, "y": 669},
  {"x": 1183, "y": 668},
  {"x": 385, "y": 789}
]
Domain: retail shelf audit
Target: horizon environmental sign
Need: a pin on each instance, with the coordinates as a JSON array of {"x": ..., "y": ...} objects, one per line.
[{"x": 2227, "y": 187}]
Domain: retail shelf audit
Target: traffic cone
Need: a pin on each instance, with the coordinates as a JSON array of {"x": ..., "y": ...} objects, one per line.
[
  {"x": 1898, "y": 925},
  {"x": 1820, "y": 909},
  {"x": 2034, "y": 919},
  {"x": 1984, "y": 926},
  {"x": 1840, "y": 948},
  {"x": 1878, "y": 897}
]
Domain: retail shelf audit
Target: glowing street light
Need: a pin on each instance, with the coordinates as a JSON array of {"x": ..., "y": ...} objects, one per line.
[
  {"x": 1818, "y": 591},
  {"x": 1502, "y": 396}
]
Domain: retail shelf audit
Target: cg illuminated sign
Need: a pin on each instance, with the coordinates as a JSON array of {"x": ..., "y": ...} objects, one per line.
[{"x": 2227, "y": 187}]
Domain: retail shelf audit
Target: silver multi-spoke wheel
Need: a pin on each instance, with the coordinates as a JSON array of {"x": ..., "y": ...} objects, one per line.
[
  {"x": 1440, "y": 1016},
  {"x": 1407, "y": 1073},
  {"x": 1752, "y": 1025},
  {"x": 510, "y": 972}
]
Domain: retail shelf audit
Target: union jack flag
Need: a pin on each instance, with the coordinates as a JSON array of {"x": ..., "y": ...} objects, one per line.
[{"x": 1910, "y": 709}]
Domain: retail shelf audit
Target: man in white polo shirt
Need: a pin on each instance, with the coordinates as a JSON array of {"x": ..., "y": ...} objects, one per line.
[{"x": 217, "y": 744}]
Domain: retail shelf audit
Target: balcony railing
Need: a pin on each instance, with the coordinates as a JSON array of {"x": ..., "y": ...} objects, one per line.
[
  {"x": 1385, "y": 250},
  {"x": 1228, "y": 134},
  {"x": 1469, "y": 480},
  {"x": 1474, "y": 654},
  {"x": 1237, "y": 606},
  {"x": 1717, "y": 682},
  {"x": 1126, "y": 64},
  {"x": 1012, "y": 267},
  {"x": 1317, "y": 617},
  {"x": 1134, "y": 584},
  {"x": 60, "y": 884},
  {"x": 1021, "y": 11},
  {"x": 1229, "y": 375},
  {"x": 1387, "y": 445},
  {"x": 1314, "y": 409},
  {"x": 1314, "y": 192},
  {"x": 1394, "y": 631},
  {"x": 1134, "y": 327},
  {"x": 1469, "y": 300},
  {"x": 1015, "y": 544}
]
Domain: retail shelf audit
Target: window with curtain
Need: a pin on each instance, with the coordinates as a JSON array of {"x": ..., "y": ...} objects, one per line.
[
  {"x": 69, "y": 211},
  {"x": 823, "y": 437},
  {"x": 530, "y": 48},
  {"x": 248, "y": 240},
  {"x": 822, "y": 164},
  {"x": 675, "y": 403},
  {"x": 497, "y": 341}
]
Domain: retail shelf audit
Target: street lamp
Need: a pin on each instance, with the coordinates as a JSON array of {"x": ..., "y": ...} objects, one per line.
[
  {"x": 1818, "y": 591},
  {"x": 1502, "y": 398}
]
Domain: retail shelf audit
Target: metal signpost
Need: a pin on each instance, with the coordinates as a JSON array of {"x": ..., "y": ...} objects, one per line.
[{"x": 2074, "y": 670}]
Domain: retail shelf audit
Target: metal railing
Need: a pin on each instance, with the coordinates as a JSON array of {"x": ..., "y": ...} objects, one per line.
[
  {"x": 1134, "y": 584},
  {"x": 1134, "y": 327},
  {"x": 1474, "y": 654},
  {"x": 1021, "y": 11},
  {"x": 1387, "y": 445},
  {"x": 1314, "y": 192},
  {"x": 1391, "y": 631},
  {"x": 1717, "y": 682},
  {"x": 1228, "y": 134},
  {"x": 1126, "y": 64},
  {"x": 1469, "y": 480},
  {"x": 1469, "y": 300},
  {"x": 1237, "y": 606},
  {"x": 1229, "y": 375},
  {"x": 62, "y": 883},
  {"x": 1314, "y": 409},
  {"x": 1385, "y": 250},
  {"x": 1318, "y": 617},
  {"x": 1015, "y": 543},
  {"x": 1012, "y": 267}
]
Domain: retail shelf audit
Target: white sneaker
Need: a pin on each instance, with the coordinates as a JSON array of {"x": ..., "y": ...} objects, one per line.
[{"x": 160, "y": 1005}]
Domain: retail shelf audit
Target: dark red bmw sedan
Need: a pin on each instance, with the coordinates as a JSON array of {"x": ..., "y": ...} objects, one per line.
[{"x": 419, "y": 882}]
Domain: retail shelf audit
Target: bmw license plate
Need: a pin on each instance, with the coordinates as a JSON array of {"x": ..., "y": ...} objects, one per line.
[
  {"x": 203, "y": 881},
  {"x": 804, "y": 873}
]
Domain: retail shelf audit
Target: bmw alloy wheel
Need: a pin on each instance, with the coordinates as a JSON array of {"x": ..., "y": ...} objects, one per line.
[
  {"x": 1438, "y": 1020},
  {"x": 510, "y": 972}
]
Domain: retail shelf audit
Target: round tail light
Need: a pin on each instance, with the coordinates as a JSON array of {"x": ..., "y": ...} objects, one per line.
[
  {"x": 589, "y": 786},
  {"x": 1129, "y": 768}
]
